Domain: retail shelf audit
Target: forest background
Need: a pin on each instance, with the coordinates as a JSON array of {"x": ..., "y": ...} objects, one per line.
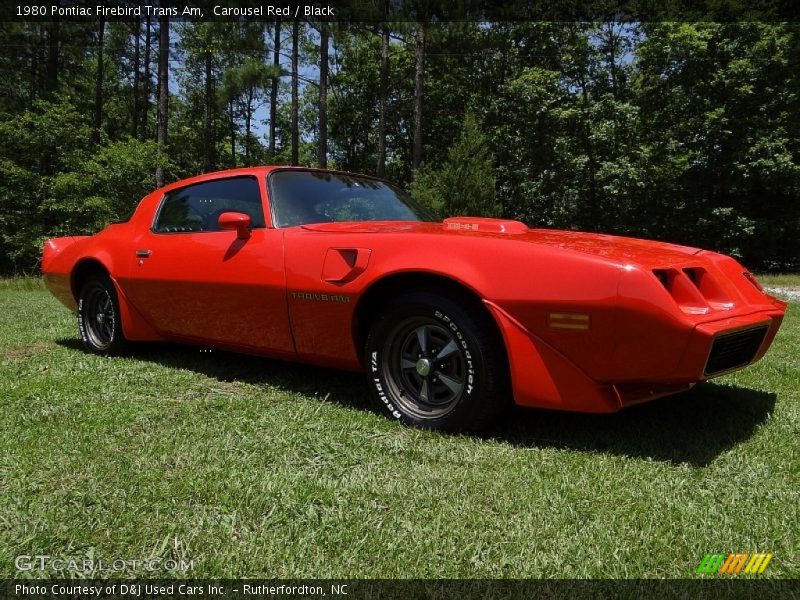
[{"x": 680, "y": 131}]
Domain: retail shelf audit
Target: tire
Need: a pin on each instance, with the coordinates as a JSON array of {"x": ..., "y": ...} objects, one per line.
[
  {"x": 432, "y": 364},
  {"x": 99, "y": 321}
]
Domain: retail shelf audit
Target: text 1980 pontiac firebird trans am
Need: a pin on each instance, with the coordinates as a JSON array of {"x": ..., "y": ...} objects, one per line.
[{"x": 448, "y": 319}]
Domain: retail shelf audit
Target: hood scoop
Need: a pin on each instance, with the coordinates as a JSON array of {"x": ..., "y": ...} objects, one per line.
[{"x": 484, "y": 224}]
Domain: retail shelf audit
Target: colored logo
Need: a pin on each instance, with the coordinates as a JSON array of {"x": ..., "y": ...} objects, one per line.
[{"x": 735, "y": 563}]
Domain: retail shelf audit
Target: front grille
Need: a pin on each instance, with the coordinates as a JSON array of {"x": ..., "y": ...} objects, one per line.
[{"x": 733, "y": 350}]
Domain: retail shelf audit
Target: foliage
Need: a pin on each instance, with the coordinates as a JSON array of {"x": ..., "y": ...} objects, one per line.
[
  {"x": 685, "y": 132},
  {"x": 81, "y": 192},
  {"x": 464, "y": 184}
]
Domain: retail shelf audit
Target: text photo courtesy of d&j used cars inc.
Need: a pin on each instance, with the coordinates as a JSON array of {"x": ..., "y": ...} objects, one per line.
[{"x": 399, "y": 299}]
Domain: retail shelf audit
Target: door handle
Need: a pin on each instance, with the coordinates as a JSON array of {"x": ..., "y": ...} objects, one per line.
[{"x": 142, "y": 253}]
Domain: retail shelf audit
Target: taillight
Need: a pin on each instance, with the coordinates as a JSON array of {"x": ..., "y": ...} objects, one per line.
[{"x": 751, "y": 278}]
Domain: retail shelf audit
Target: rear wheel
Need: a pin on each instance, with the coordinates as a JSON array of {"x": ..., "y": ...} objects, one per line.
[
  {"x": 99, "y": 320},
  {"x": 433, "y": 364}
]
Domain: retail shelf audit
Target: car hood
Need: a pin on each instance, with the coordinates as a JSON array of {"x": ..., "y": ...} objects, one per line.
[
  {"x": 646, "y": 253},
  {"x": 630, "y": 250}
]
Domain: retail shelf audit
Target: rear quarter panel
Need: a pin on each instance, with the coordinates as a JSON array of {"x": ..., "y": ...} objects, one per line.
[
  {"x": 59, "y": 257},
  {"x": 113, "y": 249}
]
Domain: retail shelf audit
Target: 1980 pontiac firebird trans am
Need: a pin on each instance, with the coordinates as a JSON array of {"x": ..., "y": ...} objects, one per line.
[{"x": 448, "y": 319}]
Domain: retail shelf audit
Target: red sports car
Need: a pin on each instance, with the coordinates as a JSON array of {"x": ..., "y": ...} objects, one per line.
[{"x": 448, "y": 319}]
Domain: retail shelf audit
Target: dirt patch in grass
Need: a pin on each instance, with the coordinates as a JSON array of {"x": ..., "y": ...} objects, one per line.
[{"x": 24, "y": 351}]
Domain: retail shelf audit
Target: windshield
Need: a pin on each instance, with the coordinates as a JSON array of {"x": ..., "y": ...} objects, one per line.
[{"x": 304, "y": 197}]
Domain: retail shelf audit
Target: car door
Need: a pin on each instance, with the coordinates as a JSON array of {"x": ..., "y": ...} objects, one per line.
[{"x": 197, "y": 282}]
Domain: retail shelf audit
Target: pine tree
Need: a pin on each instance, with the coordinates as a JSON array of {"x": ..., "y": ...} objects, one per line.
[{"x": 464, "y": 184}]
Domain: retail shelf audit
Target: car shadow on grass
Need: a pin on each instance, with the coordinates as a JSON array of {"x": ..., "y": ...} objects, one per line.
[
  {"x": 693, "y": 427},
  {"x": 340, "y": 387}
]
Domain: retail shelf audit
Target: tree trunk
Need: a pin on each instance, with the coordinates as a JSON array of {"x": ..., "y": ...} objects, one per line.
[
  {"x": 163, "y": 96},
  {"x": 613, "y": 60},
  {"x": 98, "y": 86},
  {"x": 208, "y": 134},
  {"x": 233, "y": 134},
  {"x": 592, "y": 215},
  {"x": 295, "y": 127},
  {"x": 146, "y": 90},
  {"x": 322, "y": 151},
  {"x": 47, "y": 156},
  {"x": 383, "y": 90},
  {"x": 419, "y": 75},
  {"x": 137, "y": 30},
  {"x": 248, "y": 119},
  {"x": 273, "y": 94},
  {"x": 34, "y": 46},
  {"x": 53, "y": 50}
]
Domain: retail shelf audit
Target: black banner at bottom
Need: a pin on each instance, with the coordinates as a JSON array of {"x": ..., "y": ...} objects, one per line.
[{"x": 356, "y": 589}]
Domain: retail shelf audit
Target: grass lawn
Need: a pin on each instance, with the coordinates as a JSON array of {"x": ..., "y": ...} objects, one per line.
[
  {"x": 252, "y": 467},
  {"x": 791, "y": 280}
]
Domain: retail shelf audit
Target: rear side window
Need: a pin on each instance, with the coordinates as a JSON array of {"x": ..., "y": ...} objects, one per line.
[{"x": 197, "y": 207}]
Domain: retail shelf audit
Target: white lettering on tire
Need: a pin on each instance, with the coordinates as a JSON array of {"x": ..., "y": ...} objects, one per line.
[
  {"x": 375, "y": 362},
  {"x": 81, "y": 317},
  {"x": 467, "y": 354},
  {"x": 379, "y": 387}
]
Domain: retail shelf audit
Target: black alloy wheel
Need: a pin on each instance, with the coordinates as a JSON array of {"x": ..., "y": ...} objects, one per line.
[
  {"x": 426, "y": 367},
  {"x": 99, "y": 317},
  {"x": 437, "y": 362}
]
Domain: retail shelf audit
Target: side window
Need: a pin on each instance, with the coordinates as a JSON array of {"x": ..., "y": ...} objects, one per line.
[{"x": 197, "y": 207}]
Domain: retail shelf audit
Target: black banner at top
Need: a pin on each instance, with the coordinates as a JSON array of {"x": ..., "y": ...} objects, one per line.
[{"x": 407, "y": 10}]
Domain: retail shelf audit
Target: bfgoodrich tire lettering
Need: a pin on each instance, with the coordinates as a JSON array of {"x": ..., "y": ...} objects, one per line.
[
  {"x": 434, "y": 364},
  {"x": 99, "y": 321}
]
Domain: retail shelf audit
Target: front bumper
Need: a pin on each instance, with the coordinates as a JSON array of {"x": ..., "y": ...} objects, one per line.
[
  {"x": 753, "y": 334},
  {"x": 543, "y": 377},
  {"x": 693, "y": 366}
]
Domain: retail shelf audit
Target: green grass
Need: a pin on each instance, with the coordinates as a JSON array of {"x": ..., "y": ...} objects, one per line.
[
  {"x": 252, "y": 467},
  {"x": 22, "y": 284},
  {"x": 787, "y": 280}
]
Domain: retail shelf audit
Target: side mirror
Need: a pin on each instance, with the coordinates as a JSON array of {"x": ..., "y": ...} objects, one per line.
[{"x": 235, "y": 220}]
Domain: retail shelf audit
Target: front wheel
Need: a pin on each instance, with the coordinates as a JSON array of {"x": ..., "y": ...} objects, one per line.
[
  {"x": 99, "y": 320},
  {"x": 433, "y": 364}
]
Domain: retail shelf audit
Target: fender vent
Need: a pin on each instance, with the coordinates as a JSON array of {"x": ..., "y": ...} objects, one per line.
[
  {"x": 694, "y": 289},
  {"x": 734, "y": 350}
]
